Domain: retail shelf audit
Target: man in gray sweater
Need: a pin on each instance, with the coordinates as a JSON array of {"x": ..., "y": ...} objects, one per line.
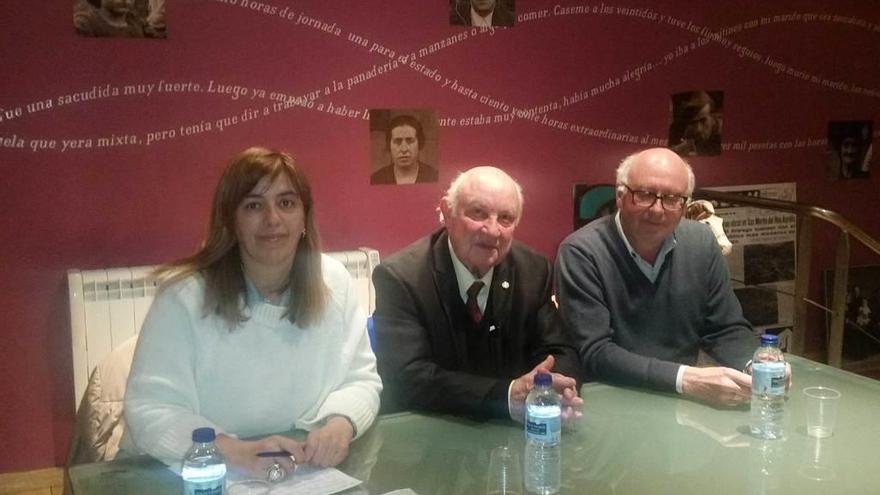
[{"x": 643, "y": 291}]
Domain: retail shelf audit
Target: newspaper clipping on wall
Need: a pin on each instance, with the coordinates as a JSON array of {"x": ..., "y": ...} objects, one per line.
[{"x": 762, "y": 262}]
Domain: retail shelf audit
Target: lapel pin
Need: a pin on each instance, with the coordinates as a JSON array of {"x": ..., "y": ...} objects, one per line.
[
  {"x": 491, "y": 328},
  {"x": 505, "y": 285}
]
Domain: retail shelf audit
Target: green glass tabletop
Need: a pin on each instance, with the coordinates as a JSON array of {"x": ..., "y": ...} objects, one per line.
[{"x": 628, "y": 442}]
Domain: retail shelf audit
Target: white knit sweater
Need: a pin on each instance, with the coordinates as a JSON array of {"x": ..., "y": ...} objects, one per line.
[{"x": 265, "y": 376}]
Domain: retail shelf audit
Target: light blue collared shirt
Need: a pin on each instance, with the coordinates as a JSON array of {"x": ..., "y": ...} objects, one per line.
[{"x": 650, "y": 271}]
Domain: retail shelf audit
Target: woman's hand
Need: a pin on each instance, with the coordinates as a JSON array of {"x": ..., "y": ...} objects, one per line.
[
  {"x": 328, "y": 445},
  {"x": 241, "y": 455}
]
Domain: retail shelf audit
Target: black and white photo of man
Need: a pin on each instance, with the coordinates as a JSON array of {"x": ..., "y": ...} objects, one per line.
[
  {"x": 481, "y": 13},
  {"x": 849, "y": 148}
]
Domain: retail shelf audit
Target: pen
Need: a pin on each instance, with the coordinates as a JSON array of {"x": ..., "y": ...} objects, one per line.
[{"x": 274, "y": 453}]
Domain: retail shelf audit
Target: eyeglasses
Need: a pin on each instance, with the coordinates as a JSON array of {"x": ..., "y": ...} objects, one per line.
[{"x": 646, "y": 199}]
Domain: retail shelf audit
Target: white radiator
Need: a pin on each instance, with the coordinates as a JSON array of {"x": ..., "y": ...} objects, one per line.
[{"x": 107, "y": 306}]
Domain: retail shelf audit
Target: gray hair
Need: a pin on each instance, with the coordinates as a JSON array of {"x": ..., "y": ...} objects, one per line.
[
  {"x": 451, "y": 196},
  {"x": 627, "y": 163}
]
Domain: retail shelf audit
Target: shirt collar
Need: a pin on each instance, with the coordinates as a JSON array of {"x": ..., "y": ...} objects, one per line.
[
  {"x": 465, "y": 279},
  {"x": 651, "y": 271},
  {"x": 480, "y": 21}
]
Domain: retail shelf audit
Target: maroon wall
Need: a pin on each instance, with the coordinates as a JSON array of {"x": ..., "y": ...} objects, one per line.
[{"x": 134, "y": 203}]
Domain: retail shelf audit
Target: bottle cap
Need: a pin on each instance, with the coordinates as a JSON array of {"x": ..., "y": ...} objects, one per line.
[
  {"x": 769, "y": 338},
  {"x": 543, "y": 379},
  {"x": 203, "y": 435}
]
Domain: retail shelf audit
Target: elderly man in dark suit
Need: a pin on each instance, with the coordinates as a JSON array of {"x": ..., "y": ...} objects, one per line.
[{"x": 464, "y": 317}]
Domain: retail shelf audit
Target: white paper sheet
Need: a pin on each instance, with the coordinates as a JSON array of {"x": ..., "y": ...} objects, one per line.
[{"x": 306, "y": 481}]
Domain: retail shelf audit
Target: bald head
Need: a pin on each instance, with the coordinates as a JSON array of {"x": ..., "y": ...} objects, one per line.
[
  {"x": 644, "y": 178},
  {"x": 483, "y": 176},
  {"x": 481, "y": 210},
  {"x": 663, "y": 160}
]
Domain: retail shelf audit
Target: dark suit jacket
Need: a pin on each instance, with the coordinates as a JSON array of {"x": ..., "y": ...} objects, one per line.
[
  {"x": 460, "y": 13},
  {"x": 425, "y": 343},
  {"x": 385, "y": 175}
]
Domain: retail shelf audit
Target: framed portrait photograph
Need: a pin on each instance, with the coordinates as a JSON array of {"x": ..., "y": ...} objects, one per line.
[
  {"x": 849, "y": 149},
  {"x": 119, "y": 18},
  {"x": 696, "y": 121},
  {"x": 403, "y": 146}
]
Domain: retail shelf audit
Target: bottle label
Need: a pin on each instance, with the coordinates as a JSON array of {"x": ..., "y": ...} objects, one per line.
[
  {"x": 768, "y": 378},
  {"x": 543, "y": 428},
  {"x": 213, "y": 487},
  {"x": 207, "y": 480}
]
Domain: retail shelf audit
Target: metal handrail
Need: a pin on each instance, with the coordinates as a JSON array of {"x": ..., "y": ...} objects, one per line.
[
  {"x": 829, "y": 216},
  {"x": 805, "y": 213}
]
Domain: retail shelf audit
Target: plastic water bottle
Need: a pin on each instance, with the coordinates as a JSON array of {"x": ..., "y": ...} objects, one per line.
[
  {"x": 768, "y": 389},
  {"x": 204, "y": 472},
  {"x": 543, "y": 457}
]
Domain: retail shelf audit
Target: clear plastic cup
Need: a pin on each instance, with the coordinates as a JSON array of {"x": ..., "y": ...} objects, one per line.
[
  {"x": 505, "y": 472},
  {"x": 821, "y": 410}
]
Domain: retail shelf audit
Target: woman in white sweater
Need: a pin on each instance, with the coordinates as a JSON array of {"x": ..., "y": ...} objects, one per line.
[{"x": 256, "y": 333}]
